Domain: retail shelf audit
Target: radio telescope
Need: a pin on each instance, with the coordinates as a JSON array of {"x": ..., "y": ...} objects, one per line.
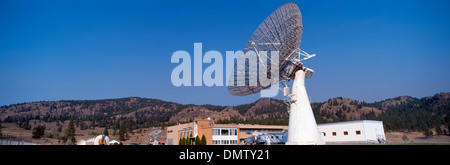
[
  {"x": 281, "y": 31},
  {"x": 101, "y": 140}
]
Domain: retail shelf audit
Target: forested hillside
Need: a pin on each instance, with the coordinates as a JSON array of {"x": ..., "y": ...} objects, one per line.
[{"x": 400, "y": 113}]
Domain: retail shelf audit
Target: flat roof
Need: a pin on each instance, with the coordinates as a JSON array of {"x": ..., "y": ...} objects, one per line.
[
  {"x": 250, "y": 126},
  {"x": 257, "y": 126},
  {"x": 351, "y": 122}
]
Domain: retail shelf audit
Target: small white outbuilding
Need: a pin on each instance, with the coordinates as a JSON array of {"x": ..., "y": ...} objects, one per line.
[{"x": 353, "y": 132}]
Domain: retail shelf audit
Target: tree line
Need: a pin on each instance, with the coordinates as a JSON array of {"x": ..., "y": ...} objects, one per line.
[{"x": 190, "y": 141}]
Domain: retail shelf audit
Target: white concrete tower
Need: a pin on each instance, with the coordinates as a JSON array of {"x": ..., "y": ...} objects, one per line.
[{"x": 302, "y": 124}]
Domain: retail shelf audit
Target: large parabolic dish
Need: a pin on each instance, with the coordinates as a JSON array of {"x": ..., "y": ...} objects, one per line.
[{"x": 281, "y": 31}]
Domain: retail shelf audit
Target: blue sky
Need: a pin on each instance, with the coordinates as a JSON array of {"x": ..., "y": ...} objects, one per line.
[{"x": 366, "y": 50}]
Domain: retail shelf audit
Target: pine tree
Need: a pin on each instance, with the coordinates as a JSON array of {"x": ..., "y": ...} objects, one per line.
[
  {"x": 405, "y": 138},
  {"x": 427, "y": 132},
  {"x": 203, "y": 141},
  {"x": 122, "y": 132},
  {"x": 448, "y": 127},
  {"x": 182, "y": 141},
  {"x": 72, "y": 139},
  {"x": 93, "y": 124},
  {"x": 71, "y": 131},
  {"x": 438, "y": 129},
  {"x": 114, "y": 132},
  {"x": 38, "y": 132},
  {"x": 105, "y": 132},
  {"x": 189, "y": 141},
  {"x": 130, "y": 127},
  {"x": 197, "y": 140}
]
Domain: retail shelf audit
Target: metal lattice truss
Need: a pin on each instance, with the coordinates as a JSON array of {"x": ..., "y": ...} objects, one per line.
[{"x": 282, "y": 32}]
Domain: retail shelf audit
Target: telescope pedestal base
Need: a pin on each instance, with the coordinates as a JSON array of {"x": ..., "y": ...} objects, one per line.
[{"x": 302, "y": 124}]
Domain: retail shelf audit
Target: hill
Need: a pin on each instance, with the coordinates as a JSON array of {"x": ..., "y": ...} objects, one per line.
[{"x": 402, "y": 113}]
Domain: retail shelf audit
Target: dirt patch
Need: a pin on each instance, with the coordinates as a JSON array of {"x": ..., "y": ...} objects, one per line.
[{"x": 415, "y": 137}]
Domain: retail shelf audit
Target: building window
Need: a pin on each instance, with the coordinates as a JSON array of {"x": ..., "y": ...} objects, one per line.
[
  {"x": 224, "y": 132},
  {"x": 169, "y": 131},
  {"x": 324, "y": 134},
  {"x": 358, "y": 132},
  {"x": 345, "y": 132},
  {"x": 216, "y": 131},
  {"x": 233, "y": 131},
  {"x": 334, "y": 133}
]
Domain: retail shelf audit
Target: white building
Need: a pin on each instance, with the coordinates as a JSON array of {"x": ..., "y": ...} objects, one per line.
[
  {"x": 225, "y": 136},
  {"x": 349, "y": 132},
  {"x": 361, "y": 131}
]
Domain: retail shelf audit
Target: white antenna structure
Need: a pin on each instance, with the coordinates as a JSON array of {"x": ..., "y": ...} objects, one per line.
[{"x": 281, "y": 31}]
